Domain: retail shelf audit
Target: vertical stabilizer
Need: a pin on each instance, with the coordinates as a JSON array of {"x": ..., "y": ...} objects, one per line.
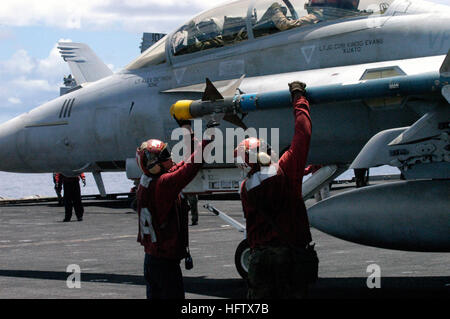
[{"x": 83, "y": 62}]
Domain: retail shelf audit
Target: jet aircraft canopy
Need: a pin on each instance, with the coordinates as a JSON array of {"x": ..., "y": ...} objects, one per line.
[{"x": 240, "y": 21}]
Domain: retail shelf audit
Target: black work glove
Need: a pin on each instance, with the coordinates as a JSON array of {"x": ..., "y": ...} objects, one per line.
[
  {"x": 296, "y": 88},
  {"x": 212, "y": 123}
]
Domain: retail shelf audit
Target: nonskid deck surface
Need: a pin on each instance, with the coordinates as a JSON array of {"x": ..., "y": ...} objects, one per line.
[{"x": 36, "y": 248}]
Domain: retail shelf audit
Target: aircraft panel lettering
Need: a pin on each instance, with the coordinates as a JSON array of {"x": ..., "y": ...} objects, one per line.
[
  {"x": 179, "y": 73},
  {"x": 154, "y": 81},
  {"x": 308, "y": 52},
  {"x": 352, "y": 46}
]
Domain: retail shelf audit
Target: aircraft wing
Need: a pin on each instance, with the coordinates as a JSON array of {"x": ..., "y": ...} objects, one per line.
[
  {"x": 83, "y": 62},
  {"x": 227, "y": 87},
  {"x": 386, "y": 80},
  {"x": 337, "y": 76}
]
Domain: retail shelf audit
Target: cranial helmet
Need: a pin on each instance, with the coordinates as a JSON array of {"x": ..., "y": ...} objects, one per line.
[
  {"x": 253, "y": 151},
  {"x": 150, "y": 153}
]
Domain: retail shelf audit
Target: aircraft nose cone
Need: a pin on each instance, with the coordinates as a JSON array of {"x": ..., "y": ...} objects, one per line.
[{"x": 9, "y": 159}]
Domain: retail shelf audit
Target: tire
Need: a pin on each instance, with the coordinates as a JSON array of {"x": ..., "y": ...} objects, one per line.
[{"x": 241, "y": 258}]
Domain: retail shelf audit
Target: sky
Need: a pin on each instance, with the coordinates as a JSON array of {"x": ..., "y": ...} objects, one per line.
[{"x": 31, "y": 69}]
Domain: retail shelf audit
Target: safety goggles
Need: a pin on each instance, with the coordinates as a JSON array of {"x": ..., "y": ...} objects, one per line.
[{"x": 153, "y": 158}]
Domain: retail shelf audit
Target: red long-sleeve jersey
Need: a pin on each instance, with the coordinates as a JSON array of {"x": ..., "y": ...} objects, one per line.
[
  {"x": 169, "y": 217},
  {"x": 60, "y": 178},
  {"x": 277, "y": 190}
]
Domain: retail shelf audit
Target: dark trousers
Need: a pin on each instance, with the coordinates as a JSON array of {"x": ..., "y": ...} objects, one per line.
[
  {"x": 274, "y": 274},
  {"x": 193, "y": 204},
  {"x": 72, "y": 199},
  {"x": 163, "y": 278},
  {"x": 361, "y": 177}
]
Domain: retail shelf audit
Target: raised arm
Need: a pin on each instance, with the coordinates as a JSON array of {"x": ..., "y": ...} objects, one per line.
[
  {"x": 180, "y": 175},
  {"x": 293, "y": 161}
]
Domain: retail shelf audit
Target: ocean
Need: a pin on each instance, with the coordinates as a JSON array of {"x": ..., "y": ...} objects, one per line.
[{"x": 16, "y": 185}]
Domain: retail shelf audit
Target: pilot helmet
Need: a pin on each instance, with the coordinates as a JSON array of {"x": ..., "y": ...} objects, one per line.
[
  {"x": 150, "y": 153},
  {"x": 253, "y": 152},
  {"x": 341, "y": 4}
]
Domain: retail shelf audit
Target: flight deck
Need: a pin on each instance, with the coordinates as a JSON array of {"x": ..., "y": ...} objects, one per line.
[{"x": 36, "y": 249}]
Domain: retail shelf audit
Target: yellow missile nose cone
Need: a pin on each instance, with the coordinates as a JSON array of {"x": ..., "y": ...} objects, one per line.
[{"x": 181, "y": 109}]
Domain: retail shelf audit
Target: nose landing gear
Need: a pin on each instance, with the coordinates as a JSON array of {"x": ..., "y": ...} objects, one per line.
[{"x": 242, "y": 254}]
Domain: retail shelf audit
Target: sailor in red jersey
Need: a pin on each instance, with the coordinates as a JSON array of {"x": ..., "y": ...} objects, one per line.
[
  {"x": 72, "y": 194},
  {"x": 277, "y": 224},
  {"x": 163, "y": 217}
]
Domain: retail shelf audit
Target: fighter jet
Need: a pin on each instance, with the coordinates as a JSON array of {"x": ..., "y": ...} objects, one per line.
[{"x": 377, "y": 75}]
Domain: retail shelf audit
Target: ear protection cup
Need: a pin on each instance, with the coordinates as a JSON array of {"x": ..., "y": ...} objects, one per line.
[{"x": 264, "y": 159}]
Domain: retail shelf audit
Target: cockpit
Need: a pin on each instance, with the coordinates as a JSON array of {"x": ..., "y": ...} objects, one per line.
[
  {"x": 239, "y": 21},
  {"x": 216, "y": 28}
]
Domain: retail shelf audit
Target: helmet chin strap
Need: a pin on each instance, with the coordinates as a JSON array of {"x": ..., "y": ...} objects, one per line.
[
  {"x": 160, "y": 168},
  {"x": 155, "y": 170}
]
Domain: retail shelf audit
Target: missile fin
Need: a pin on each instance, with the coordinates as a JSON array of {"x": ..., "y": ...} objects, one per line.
[
  {"x": 234, "y": 119},
  {"x": 446, "y": 93},
  {"x": 445, "y": 68},
  {"x": 211, "y": 93},
  {"x": 230, "y": 89}
]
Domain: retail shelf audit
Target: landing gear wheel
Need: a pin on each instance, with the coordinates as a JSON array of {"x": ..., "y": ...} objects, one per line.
[{"x": 241, "y": 258}]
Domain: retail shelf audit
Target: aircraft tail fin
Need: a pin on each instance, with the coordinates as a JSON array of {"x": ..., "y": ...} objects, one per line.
[{"x": 83, "y": 62}]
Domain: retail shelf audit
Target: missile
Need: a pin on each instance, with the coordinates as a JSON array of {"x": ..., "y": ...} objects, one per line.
[
  {"x": 385, "y": 216},
  {"x": 431, "y": 85},
  {"x": 212, "y": 102}
]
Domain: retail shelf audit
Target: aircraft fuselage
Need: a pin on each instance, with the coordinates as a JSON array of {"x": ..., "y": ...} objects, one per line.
[{"x": 99, "y": 126}]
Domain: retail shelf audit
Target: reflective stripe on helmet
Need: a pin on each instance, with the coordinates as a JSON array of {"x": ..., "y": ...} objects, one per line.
[{"x": 150, "y": 153}]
